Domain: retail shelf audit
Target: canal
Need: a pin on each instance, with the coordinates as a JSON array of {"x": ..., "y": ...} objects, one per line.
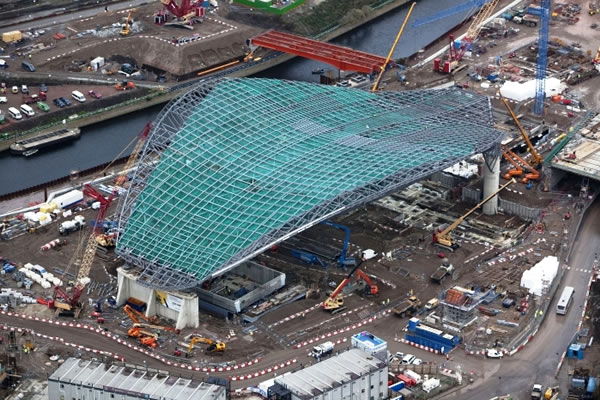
[{"x": 103, "y": 142}]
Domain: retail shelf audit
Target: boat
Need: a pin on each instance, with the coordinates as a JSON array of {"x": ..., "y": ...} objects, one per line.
[
  {"x": 45, "y": 140},
  {"x": 318, "y": 71},
  {"x": 31, "y": 152}
]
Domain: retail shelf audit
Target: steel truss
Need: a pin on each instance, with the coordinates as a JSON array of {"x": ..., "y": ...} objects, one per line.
[{"x": 444, "y": 127}]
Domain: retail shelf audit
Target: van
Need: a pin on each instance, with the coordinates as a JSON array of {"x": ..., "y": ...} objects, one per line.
[
  {"x": 14, "y": 113},
  {"x": 28, "y": 111},
  {"x": 431, "y": 304},
  {"x": 27, "y": 66},
  {"x": 77, "y": 95}
]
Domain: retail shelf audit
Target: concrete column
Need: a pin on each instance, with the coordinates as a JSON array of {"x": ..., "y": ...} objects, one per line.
[
  {"x": 123, "y": 287},
  {"x": 491, "y": 181}
]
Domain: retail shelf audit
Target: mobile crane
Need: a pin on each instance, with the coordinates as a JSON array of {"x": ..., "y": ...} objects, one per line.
[
  {"x": 536, "y": 159},
  {"x": 517, "y": 162},
  {"x": 63, "y": 302},
  {"x": 444, "y": 239}
]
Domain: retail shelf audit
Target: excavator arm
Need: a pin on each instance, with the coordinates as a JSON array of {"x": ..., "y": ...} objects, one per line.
[{"x": 372, "y": 289}]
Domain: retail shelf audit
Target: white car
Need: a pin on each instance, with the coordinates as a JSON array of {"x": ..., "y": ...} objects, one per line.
[
  {"x": 493, "y": 353},
  {"x": 3, "y": 99},
  {"x": 417, "y": 361},
  {"x": 408, "y": 359}
]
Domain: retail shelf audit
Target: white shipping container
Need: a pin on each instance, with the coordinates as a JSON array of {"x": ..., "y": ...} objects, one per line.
[
  {"x": 414, "y": 375},
  {"x": 68, "y": 199}
]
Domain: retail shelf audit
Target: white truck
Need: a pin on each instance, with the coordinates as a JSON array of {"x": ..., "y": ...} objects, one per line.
[
  {"x": 322, "y": 350},
  {"x": 71, "y": 226}
]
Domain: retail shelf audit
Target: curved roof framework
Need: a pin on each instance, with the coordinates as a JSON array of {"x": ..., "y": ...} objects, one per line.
[{"x": 247, "y": 163}]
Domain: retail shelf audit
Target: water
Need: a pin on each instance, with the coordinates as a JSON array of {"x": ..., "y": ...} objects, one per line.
[{"x": 102, "y": 142}]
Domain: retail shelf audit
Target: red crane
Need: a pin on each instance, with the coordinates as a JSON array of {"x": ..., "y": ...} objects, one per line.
[
  {"x": 186, "y": 7},
  {"x": 72, "y": 302}
]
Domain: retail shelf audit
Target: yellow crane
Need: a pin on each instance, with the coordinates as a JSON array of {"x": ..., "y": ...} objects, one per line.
[
  {"x": 444, "y": 239},
  {"x": 536, "y": 159},
  {"x": 389, "y": 56}
]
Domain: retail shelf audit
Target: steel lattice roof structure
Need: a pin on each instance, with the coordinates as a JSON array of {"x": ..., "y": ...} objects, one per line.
[{"x": 247, "y": 163}]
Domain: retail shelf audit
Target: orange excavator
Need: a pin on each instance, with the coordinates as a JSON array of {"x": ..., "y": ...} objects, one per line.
[
  {"x": 146, "y": 338},
  {"x": 371, "y": 289},
  {"x": 335, "y": 301}
]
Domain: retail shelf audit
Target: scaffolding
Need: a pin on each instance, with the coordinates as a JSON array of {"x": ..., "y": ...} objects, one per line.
[{"x": 247, "y": 163}]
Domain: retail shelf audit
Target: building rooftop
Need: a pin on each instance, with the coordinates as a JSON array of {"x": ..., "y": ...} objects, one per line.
[
  {"x": 328, "y": 374},
  {"x": 247, "y": 163},
  {"x": 369, "y": 339},
  {"x": 134, "y": 381}
]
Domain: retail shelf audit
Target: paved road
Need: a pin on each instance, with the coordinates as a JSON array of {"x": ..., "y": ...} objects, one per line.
[
  {"x": 538, "y": 361},
  {"x": 48, "y": 20}
]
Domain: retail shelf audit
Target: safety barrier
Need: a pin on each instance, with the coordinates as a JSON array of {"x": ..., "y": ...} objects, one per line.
[
  {"x": 342, "y": 330},
  {"x": 62, "y": 341},
  {"x": 418, "y": 346},
  {"x": 109, "y": 335},
  {"x": 264, "y": 371}
]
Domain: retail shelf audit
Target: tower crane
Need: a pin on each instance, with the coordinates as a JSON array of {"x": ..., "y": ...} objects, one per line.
[
  {"x": 444, "y": 239},
  {"x": 542, "y": 57},
  {"x": 70, "y": 303}
]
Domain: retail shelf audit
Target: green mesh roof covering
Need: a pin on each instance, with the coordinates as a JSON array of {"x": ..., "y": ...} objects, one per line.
[{"x": 246, "y": 163}]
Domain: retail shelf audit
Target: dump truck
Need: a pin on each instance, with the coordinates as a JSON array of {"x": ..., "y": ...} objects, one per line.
[
  {"x": 442, "y": 272},
  {"x": 408, "y": 307},
  {"x": 71, "y": 226},
  {"x": 322, "y": 350}
]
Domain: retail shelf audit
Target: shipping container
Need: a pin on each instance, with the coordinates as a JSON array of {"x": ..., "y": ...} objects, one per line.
[
  {"x": 12, "y": 36},
  {"x": 431, "y": 337},
  {"x": 68, "y": 199}
]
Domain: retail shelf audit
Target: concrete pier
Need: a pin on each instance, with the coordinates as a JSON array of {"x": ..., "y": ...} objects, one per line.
[
  {"x": 491, "y": 180},
  {"x": 178, "y": 306}
]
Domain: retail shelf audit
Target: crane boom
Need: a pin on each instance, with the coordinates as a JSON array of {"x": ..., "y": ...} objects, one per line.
[
  {"x": 442, "y": 237},
  {"x": 475, "y": 27},
  {"x": 536, "y": 158}
]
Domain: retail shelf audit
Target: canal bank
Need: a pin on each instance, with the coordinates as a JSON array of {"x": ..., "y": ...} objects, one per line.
[{"x": 155, "y": 97}]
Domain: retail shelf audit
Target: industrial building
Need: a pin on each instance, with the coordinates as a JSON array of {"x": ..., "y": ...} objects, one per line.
[
  {"x": 95, "y": 380},
  {"x": 353, "y": 374},
  {"x": 460, "y": 306}
]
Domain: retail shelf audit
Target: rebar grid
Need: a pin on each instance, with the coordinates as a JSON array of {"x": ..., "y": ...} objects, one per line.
[{"x": 247, "y": 163}]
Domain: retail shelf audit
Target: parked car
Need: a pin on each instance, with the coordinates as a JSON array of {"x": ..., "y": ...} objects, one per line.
[
  {"x": 417, "y": 361},
  {"x": 94, "y": 94},
  {"x": 3, "y": 99},
  {"x": 408, "y": 359},
  {"x": 399, "y": 355},
  {"x": 27, "y": 66},
  {"x": 24, "y": 89},
  {"x": 66, "y": 101},
  {"x": 493, "y": 353},
  {"x": 43, "y": 106},
  {"x": 43, "y": 88},
  {"x": 15, "y": 89},
  {"x": 58, "y": 102}
]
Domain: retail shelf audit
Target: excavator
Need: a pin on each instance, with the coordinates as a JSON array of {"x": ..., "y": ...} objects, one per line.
[
  {"x": 444, "y": 239},
  {"x": 126, "y": 28},
  {"x": 213, "y": 346},
  {"x": 335, "y": 301},
  {"x": 146, "y": 338}
]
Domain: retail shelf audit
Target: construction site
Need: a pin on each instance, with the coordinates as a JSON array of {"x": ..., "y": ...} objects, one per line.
[{"x": 444, "y": 207}]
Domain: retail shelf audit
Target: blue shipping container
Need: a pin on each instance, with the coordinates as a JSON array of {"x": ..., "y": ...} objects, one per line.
[{"x": 398, "y": 386}]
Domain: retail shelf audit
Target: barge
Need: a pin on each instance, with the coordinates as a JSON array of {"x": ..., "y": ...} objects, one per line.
[{"x": 30, "y": 146}]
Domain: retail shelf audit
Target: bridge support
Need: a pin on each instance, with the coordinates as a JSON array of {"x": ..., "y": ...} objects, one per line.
[{"x": 491, "y": 179}]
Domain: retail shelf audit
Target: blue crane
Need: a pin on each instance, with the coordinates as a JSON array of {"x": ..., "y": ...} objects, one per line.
[
  {"x": 342, "y": 259},
  {"x": 466, "y": 6},
  {"x": 542, "y": 57}
]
